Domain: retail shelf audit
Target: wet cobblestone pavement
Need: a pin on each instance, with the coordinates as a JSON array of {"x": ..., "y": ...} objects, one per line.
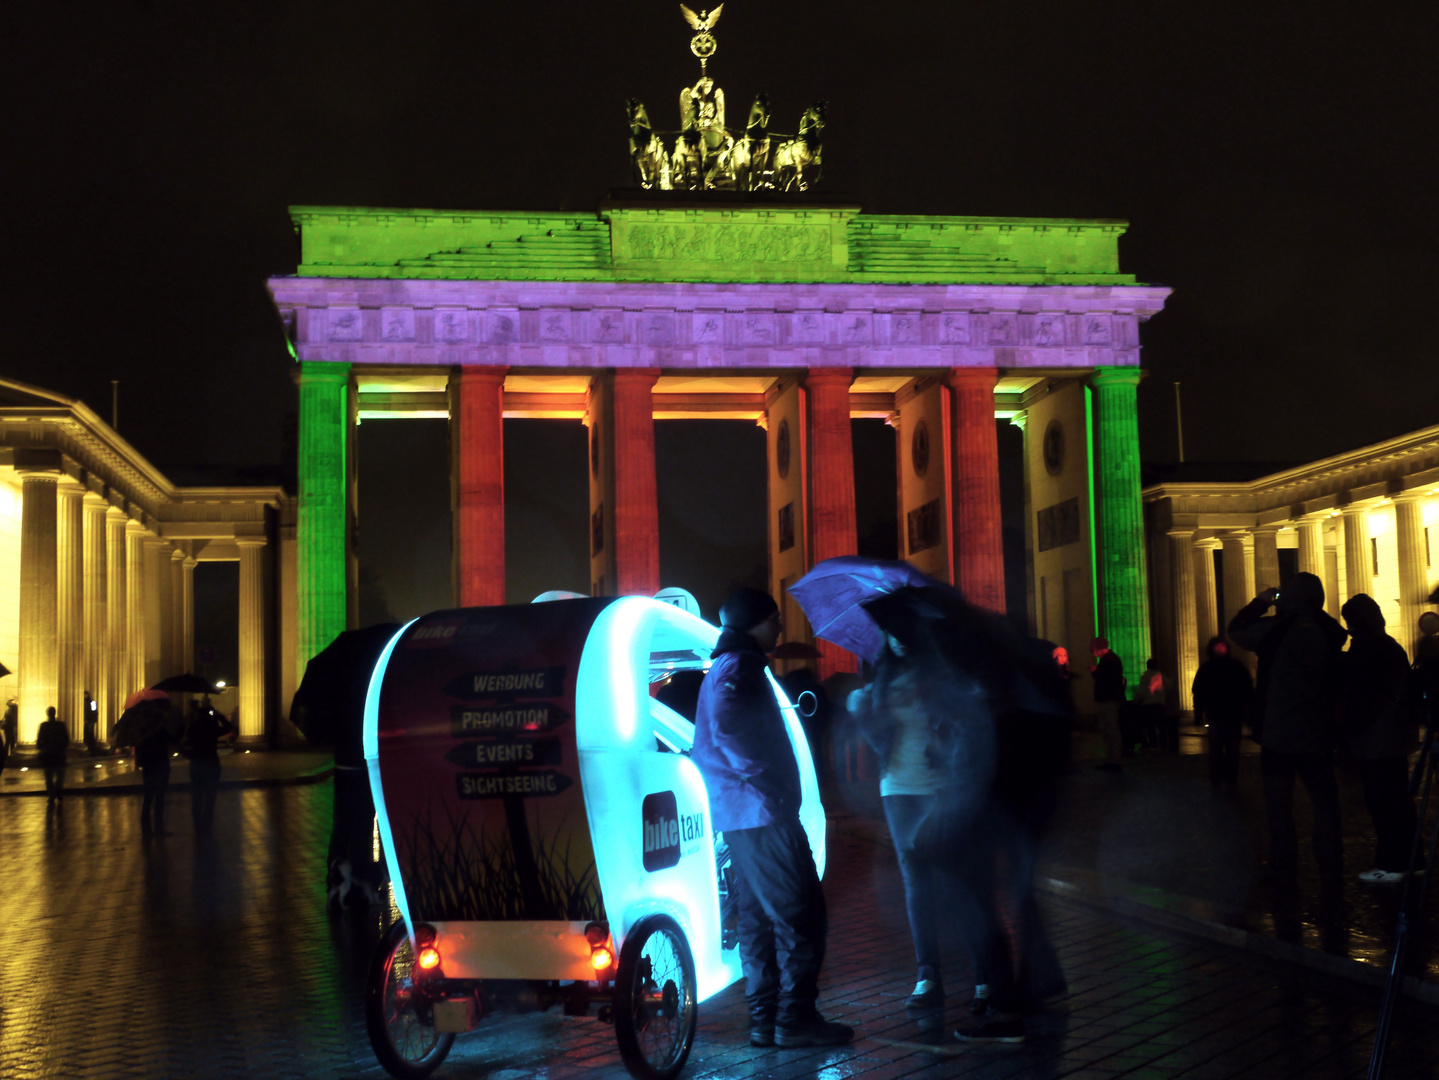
[{"x": 178, "y": 958}]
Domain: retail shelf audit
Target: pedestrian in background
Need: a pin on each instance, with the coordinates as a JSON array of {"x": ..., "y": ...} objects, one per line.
[
  {"x": 201, "y": 743},
  {"x": 743, "y": 751},
  {"x": 1152, "y": 696},
  {"x": 1295, "y": 702},
  {"x": 1223, "y": 691},
  {"x": 4, "y": 748},
  {"x": 12, "y": 723},
  {"x": 52, "y": 741},
  {"x": 1381, "y": 734},
  {"x": 91, "y": 722},
  {"x": 1108, "y": 673},
  {"x": 151, "y": 727}
]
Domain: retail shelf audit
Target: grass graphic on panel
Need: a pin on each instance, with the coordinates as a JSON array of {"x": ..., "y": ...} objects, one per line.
[{"x": 453, "y": 871}]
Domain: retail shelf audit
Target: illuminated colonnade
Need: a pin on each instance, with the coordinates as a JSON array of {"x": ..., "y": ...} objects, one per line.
[
  {"x": 797, "y": 318},
  {"x": 97, "y": 552},
  {"x": 1365, "y": 521}
]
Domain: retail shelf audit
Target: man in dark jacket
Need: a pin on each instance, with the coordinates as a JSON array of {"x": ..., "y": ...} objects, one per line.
[
  {"x": 1108, "y": 672},
  {"x": 743, "y": 751},
  {"x": 52, "y": 741},
  {"x": 1222, "y": 693},
  {"x": 1381, "y": 734},
  {"x": 1293, "y": 719}
]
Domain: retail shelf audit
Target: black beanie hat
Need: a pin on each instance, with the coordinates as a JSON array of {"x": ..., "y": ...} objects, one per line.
[{"x": 747, "y": 608}]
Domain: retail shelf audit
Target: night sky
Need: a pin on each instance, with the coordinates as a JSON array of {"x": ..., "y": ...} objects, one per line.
[{"x": 1275, "y": 163}]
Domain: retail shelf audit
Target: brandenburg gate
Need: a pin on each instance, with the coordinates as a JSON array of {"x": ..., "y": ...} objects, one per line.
[{"x": 792, "y": 313}]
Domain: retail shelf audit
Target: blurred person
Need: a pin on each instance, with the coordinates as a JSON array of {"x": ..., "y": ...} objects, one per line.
[
  {"x": 12, "y": 723},
  {"x": 4, "y": 748},
  {"x": 743, "y": 751},
  {"x": 201, "y": 744},
  {"x": 151, "y": 727},
  {"x": 1381, "y": 734},
  {"x": 52, "y": 741},
  {"x": 1222, "y": 692},
  {"x": 1295, "y": 702},
  {"x": 91, "y": 723},
  {"x": 1108, "y": 673},
  {"x": 1152, "y": 696}
]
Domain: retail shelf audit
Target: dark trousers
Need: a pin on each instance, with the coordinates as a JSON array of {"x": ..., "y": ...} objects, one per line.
[
  {"x": 204, "y": 784},
  {"x": 1317, "y": 772},
  {"x": 353, "y": 825},
  {"x": 1386, "y": 795},
  {"x": 924, "y": 840},
  {"x": 1225, "y": 734},
  {"x": 783, "y": 922},
  {"x": 55, "y": 781},
  {"x": 156, "y": 779}
]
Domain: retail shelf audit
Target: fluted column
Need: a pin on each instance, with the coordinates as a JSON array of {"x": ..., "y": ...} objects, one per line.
[
  {"x": 1266, "y": 558},
  {"x": 1358, "y": 569},
  {"x": 1238, "y": 584},
  {"x": 252, "y": 638},
  {"x": 179, "y": 662},
  {"x": 1413, "y": 574},
  {"x": 833, "y": 530},
  {"x": 637, "y": 519},
  {"x": 477, "y": 439},
  {"x": 135, "y": 603},
  {"x": 187, "y": 613},
  {"x": 39, "y": 658},
  {"x": 1124, "y": 587},
  {"x": 322, "y": 578},
  {"x": 156, "y": 603},
  {"x": 1186, "y": 621},
  {"x": 978, "y": 534},
  {"x": 96, "y": 638},
  {"x": 116, "y": 598},
  {"x": 70, "y": 607},
  {"x": 1311, "y": 547},
  {"x": 1206, "y": 605}
]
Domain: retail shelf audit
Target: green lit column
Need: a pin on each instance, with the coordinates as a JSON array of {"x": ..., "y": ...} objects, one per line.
[
  {"x": 1124, "y": 585},
  {"x": 321, "y": 578}
]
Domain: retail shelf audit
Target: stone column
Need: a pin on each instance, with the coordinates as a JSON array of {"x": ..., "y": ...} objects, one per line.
[
  {"x": 70, "y": 606},
  {"x": 135, "y": 603},
  {"x": 156, "y": 606},
  {"x": 833, "y": 530},
  {"x": 1124, "y": 593},
  {"x": 477, "y": 449},
  {"x": 1186, "y": 623},
  {"x": 1266, "y": 558},
  {"x": 1236, "y": 578},
  {"x": 978, "y": 537},
  {"x": 1413, "y": 574},
  {"x": 179, "y": 661},
  {"x": 1358, "y": 567},
  {"x": 252, "y": 638},
  {"x": 322, "y": 579},
  {"x": 38, "y": 660},
  {"x": 187, "y": 613},
  {"x": 1206, "y": 605},
  {"x": 637, "y": 518},
  {"x": 96, "y": 638},
  {"x": 1311, "y": 547},
  {"x": 116, "y": 674}
]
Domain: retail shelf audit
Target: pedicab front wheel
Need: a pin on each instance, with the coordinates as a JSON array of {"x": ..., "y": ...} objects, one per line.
[
  {"x": 655, "y": 999},
  {"x": 401, "y": 1025}
]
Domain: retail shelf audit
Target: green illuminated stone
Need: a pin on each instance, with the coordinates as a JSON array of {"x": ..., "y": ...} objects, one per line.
[
  {"x": 322, "y": 605},
  {"x": 1124, "y": 594}
]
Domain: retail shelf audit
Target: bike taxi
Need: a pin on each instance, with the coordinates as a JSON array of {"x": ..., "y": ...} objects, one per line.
[{"x": 548, "y": 837}]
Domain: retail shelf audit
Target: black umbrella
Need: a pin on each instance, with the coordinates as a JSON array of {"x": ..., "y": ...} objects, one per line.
[
  {"x": 329, "y": 706},
  {"x": 186, "y": 684},
  {"x": 4, "y": 671}
]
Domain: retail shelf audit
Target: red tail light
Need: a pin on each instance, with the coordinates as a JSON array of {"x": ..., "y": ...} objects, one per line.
[{"x": 429, "y": 958}]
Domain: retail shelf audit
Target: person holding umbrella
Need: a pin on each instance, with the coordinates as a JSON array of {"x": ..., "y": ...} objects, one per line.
[{"x": 150, "y": 725}]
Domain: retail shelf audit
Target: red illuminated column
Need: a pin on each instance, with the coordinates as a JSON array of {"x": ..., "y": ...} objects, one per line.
[
  {"x": 477, "y": 411},
  {"x": 978, "y": 539},
  {"x": 831, "y": 484},
  {"x": 637, "y": 520}
]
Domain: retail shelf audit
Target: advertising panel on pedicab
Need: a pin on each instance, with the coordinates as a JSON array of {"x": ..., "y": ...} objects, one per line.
[{"x": 478, "y": 766}]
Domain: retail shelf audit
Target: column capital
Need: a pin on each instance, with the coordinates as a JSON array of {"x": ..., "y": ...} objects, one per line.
[
  {"x": 1413, "y": 495},
  {"x": 324, "y": 371},
  {"x": 250, "y": 541},
  {"x": 829, "y": 375},
  {"x": 1209, "y": 543},
  {"x": 114, "y": 513},
  {"x": 70, "y": 486},
  {"x": 191, "y": 562},
  {"x": 1181, "y": 534},
  {"x": 493, "y": 373},
  {"x": 176, "y": 555},
  {"x": 1116, "y": 376},
  {"x": 972, "y": 378},
  {"x": 134, "y": 527},
  {"x": 1350, "y": 510},
  {"x": 95, "y": 499},
  {"x": 39, "y": 474}
]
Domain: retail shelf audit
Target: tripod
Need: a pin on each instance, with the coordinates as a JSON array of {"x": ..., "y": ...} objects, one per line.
[{"x": 1416, "y": 882}]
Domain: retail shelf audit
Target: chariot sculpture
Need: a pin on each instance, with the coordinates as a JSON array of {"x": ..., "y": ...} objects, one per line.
[{"x": 704, "y": 154}]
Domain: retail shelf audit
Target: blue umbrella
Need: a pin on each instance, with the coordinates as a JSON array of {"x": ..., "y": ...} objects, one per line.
[{"x": 832, "y": 595}]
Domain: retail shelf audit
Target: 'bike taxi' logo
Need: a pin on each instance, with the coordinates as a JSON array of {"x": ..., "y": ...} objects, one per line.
[{"x": 665, "y": 830}]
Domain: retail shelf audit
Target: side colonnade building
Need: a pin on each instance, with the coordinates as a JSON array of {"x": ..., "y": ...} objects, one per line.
[
  {"x": 1365, "y": 521},
  {"x": 98, "y": 551},
  {"x": 797, "y": 316}
]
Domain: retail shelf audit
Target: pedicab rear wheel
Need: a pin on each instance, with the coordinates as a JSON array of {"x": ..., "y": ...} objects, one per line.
[
  {"x": 655, "y": 1005},
  {"x": 402, "y": 1029}
]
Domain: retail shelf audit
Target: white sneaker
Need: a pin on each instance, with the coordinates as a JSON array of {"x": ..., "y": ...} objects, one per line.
[
  {"x": 1381, "y": 877},
  {"x": 927, "y": 994}
]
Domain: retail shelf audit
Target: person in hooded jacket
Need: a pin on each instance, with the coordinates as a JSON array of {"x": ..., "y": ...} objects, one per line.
[
  {"x": 743, "y": 751},
  {"x": 1381, "y": 734},
  {"x": 1223, "y": 691},
  {"x": 1293, "y": 720}
]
